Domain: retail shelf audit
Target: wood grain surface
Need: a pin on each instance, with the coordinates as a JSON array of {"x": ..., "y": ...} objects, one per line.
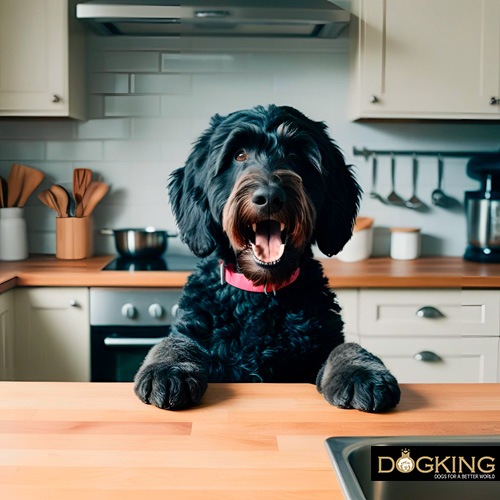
[
  {"x": 246, "y": 441},
  {"x": 432, "y": 272}
]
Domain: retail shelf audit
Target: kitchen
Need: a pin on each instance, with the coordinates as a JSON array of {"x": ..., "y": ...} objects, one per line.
[{"x": 433, "y": 320}]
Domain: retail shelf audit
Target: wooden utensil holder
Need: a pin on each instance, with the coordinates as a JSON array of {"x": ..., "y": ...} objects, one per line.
[{"x": 73, "y": 237}]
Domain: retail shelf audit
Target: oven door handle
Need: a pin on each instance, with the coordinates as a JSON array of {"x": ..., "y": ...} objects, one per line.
[{"x": 127, "y": 341}]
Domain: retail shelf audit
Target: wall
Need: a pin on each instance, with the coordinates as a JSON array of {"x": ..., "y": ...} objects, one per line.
[{"x": 148, "y": 101}]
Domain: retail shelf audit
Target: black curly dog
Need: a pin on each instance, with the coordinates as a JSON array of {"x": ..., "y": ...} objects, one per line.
[{"x": 259, "y": 187}]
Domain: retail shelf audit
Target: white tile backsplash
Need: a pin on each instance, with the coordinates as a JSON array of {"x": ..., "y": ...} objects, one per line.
[
  {"x": 147, "y": 105},
  {"x": 142, "y": 123}
]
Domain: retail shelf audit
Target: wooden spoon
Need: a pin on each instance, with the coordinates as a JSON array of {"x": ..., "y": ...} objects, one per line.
[
  {"x": 3, "y": 192},
  {"x": 48, "y": 198},
  {"x": 81, "y": 180},
  {"x": 94, "y": 194},
  {"x": 62, "y": 199},
  {"x": 31, "y": 180}
]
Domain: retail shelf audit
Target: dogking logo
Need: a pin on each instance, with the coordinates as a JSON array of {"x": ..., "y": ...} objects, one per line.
[
  {"x": 405, "y": 463},
  {"x": 433, "y": 463}
]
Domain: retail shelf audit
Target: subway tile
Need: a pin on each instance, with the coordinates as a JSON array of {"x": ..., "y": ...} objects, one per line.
[
  {"x": 74, "y": 150},
  {"x": 95, "y": 106},
  {"x": 203, "y": 63},
  {"x": 109, "y": 128},
  {"x": 160, "y": 84},
  {"x": 108, "y": 83},
  {"x": 160, "y": 128},
  {"x": 132, "y": 151},
  {"x": 132, "y": 105},
  {"x": 22, "y": 150},
  {"x": 102, "y": 43},
  {"x": 15, "y": 128},
  {"x": 177, "y": 151},
  {"x": 130, "y": 61}
]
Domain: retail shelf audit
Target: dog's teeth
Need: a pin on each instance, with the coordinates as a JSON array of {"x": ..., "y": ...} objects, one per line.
[
  {"x": 282, "y": 226},
  {"x": 254, "y": 227}
]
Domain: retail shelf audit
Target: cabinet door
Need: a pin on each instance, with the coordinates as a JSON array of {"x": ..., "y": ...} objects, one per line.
[
  {"x": 438, "y": 360},
  {"x": 7, "y": 335},
  {"x": 428, "y": 58},
  {"x": 52, "y": 334},
  {"x": 348, "y": 301},
  {"x": 33, "y": 57}
]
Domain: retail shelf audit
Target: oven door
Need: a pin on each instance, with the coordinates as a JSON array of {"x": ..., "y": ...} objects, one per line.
[{"x": 117, "y": 352}]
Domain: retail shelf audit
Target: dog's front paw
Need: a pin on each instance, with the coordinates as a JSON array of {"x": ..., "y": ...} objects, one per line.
[
  {"x": 170, "y": 387},
  {"x": 355, "y": 378}
]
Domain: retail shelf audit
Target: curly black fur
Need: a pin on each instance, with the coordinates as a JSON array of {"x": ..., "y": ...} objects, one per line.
[{"x": 224, "y": 334}]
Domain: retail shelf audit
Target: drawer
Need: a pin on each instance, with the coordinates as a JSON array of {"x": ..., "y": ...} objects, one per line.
[
  {"x": 424, "y": 312},
  {"x": 348, "y": 301},
  {"x": 438, "y": 360}
]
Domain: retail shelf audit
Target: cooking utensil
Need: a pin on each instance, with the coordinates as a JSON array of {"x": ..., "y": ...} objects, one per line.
[
  {"x": 394, "y": 198},
  {"x": 81, "y": 180},
  {"x": 93, "y": 195},
  {"x": 141, "y": 242},
  {"x": 62, "y": 199},
  {"x": 439, "y": 198},
  {"x": 373, "y": 192},
  {"x": 3, "y": 192},
  {"x": 414, "y": 203},
  {"x": 48, "y": 198},
  {"x": 31, "y": 180}
]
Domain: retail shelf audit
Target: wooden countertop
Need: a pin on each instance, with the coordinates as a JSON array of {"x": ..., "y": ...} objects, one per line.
[
  {"x": 83, "y": 441},
  {"x": 433, "y": 272}
]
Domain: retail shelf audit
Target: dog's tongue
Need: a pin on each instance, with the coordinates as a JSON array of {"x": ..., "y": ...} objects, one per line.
[{"x": 268, "y": 246}]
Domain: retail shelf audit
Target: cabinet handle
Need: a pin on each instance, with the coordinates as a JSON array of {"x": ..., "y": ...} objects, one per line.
[
  {"x": 494, "y": 100},
  {"x": 55, "y": 98},
  {"x": 73, "y": 303},
  {"x": 129, "y": 342},
  {"x": 427, "y": 356},
  {"x": 429, "y": 312},
  {"x": 373, "y": 99}
]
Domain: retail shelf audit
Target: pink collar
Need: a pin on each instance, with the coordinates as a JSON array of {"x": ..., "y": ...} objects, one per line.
[{"x": 229, "y": 275}]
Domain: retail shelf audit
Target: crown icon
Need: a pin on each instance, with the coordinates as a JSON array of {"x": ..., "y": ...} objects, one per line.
[{"x": 405, "y": 452}]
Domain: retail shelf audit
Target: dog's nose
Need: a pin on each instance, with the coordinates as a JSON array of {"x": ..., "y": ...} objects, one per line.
[{"x": 270, "y": 198}]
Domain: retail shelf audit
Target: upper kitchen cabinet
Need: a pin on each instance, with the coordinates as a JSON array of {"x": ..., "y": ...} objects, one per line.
[
  {"x": 425, "y": 59},
  {"x": 42, "y": 69}
]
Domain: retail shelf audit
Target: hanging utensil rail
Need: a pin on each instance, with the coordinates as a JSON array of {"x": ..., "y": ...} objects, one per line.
[{"x": 388, "y": 152}]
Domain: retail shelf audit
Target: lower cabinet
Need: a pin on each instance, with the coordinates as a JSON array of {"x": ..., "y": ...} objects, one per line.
[
  {"x": 52, "y": 341},
  {"x": 427, "y": 335},
  {"x": 7, "y": 335}
]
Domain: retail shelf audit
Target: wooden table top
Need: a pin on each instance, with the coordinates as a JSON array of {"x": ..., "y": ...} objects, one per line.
[
  {"x": 431, "y": 272},
  {"x": 84, "y": 441}
]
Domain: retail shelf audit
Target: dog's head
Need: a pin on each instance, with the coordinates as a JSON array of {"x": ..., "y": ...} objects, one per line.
[{"x": 259, "y": 187}]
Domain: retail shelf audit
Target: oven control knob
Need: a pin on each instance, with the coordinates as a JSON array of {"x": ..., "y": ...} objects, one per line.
[
  {"x": 129, "y": 311},
  {"x": 155, "y": 311},
  {"x": 175, "y": 308}
]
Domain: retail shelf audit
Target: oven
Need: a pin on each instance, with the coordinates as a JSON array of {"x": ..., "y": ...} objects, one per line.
[{"x": 124, "y": 324}]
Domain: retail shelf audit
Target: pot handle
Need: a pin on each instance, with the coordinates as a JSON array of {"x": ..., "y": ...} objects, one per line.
[{"x": 107, "y": 232}]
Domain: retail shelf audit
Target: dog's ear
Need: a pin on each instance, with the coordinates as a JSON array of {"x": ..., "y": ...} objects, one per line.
[
  {"x": 337, "y": 214},
  {"x": 188, "y": 198}
]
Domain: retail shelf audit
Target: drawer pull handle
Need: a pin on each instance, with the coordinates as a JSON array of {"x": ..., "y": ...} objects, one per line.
[
  {"x": 427, "y": 356},
  {"x": 429, "y": 312}
]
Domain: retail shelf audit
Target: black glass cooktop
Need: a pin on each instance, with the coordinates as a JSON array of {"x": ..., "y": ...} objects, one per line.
[{"x": 169, "y": 262}]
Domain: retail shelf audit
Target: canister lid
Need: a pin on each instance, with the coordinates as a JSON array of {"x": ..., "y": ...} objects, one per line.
[{"x": 405, "y": 229}]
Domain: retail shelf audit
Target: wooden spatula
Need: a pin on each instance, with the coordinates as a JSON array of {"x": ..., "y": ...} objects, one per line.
[
  {"x": 3, "y": 192},
  {"x": 31, "y": 180},
  {"x": 48, "y": 198},
  {"x": 94, "y": 194},
  {"x": 81, "y": 180},
  {"x": 62, "y": 199}
]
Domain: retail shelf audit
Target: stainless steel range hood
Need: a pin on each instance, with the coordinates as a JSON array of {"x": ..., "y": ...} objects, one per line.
[{"x": 266, "y": 18}]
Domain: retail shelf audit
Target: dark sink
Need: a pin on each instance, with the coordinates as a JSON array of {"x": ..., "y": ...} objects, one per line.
[{"x": 351, "y": 460}]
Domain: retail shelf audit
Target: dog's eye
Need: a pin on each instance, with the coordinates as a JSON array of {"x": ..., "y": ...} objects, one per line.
[
  {"x": 291, "y": 155},
  {"x": 240, "y": 156}
]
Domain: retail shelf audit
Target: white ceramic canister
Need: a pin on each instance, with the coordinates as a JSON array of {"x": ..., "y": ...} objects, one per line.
[
  {"x": 405, "y": 243},
  {"x": 360, "y": 246},
  {"x": 13, "y": 234}
]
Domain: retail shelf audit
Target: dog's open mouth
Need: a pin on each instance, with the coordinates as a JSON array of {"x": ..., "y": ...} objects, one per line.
[{"x": 268, "y": 240}]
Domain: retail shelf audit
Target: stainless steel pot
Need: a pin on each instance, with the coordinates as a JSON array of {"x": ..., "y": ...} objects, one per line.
[{"x": 140, "y": 242}]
